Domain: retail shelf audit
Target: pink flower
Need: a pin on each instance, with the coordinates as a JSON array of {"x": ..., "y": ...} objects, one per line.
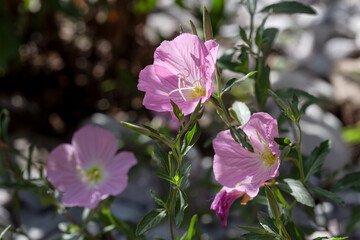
[
  {"x": 183, "y": 71},
  {"x": 88, "y": 170},
  {"x": 223, "y": 201},
  {"x": 240, "y": 170}
]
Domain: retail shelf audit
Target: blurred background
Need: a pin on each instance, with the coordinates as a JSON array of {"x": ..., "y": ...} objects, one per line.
[{"x": 66, "y": 63}]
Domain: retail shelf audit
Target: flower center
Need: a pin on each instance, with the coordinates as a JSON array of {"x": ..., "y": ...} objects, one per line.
[
  {"x": 269, "y": 158},
  {"x": 93, "y": 175},
  {"x": 195, "y": 88}
]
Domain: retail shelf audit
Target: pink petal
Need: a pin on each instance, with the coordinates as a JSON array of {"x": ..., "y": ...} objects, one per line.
[
  {"x": 223, "y": 201},
  {"x": 61, "y": 167},
  {"x": 117, "y": 173},
  {"x": 80, "y": 195},
  {"x": 93, "y": 144}
]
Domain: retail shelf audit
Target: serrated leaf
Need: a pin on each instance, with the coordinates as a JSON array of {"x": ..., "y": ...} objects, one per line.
[
  {"x": 296, "y": 189},
  {"x": 242, "y": 111},
  {"x": 267, "y": 223},
  {"x": 313, "y": 163},
  {"x": 240, "y": 137},
  {"x": 348, "y": 181},
  {"x": 233, "y": 81},
  {"x": 181, "y": 205},
  {"x": 289, "y": 7},
  {"x": 330, "y": 195},
  {"x": 150, "y": 220},
  {"x": 278, "y": 100}
]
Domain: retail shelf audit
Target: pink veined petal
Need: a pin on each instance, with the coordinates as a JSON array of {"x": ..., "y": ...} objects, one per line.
[
  {"x": 80, "y": 195},
  {"x": 93, "y": 144},
  {"x": 212, "y": 48},
  {"x": 61, "y": 167},
  {"x": 223, "y": 201},
  {"x": 184, "y": 52},
  {"x": 256, "y": 127},
  {"x": 117, "y": 173}
]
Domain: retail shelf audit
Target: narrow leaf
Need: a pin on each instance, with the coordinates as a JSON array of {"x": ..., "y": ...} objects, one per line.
[
  {"x": 348, "y": 181},
  {"x": 150, "y": 220},
  {"x": 193, "y": 28},
  {"x": 258, "y": 231},
  {"x": 296, "y": 189},
  {"x": 273, "y": 205},
  {"x": 180, "y": 207},
  {"x": 4, "y": 231},
  {"x": 242, "y": 111},
  {"x": 191, "y": 231},
  {"x": 313, "y": 163},
  {"x": 233, "y": 81},
  {"x": 190, "y": 139},
  {"x": 330, "y": 195},
  {"x": 267, "y": 223},
  {"x": 240, "y": 137},
  {"x": 289, "y": 7},
  {"x": 208, "y": 33},
  {"x": 165, "y": 177},
  {"x": 157, "y": 199}
]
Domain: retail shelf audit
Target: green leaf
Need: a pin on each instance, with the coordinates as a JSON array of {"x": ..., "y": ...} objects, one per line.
[
  {"x": 208, "y": 33},
  {"x": 177, "y": 111},
  {"x": 233, "y": 81},
  {"x": 240, "y": 137},
  {"x": 243, "y": 66},
  {"x": 310, "y": 99},
  {"x": 282, "y": 141},
  {"x": 191, "y": 230},
  {"x": 284, "y": 153},
  {"x": 256, "y": 236},
  {"x": 293, "y": 232},
  {"x": 242, "y": 112},
  {"x": 298, "y": 191},
  {"x": 348, "y": 181},
  {"x": 19, "y": 186},
  {"x": 272, "y": 203},
  {"x": 193, "y": 28},
  {"x": 190, "y": 139},
  {"x": 181, "y": 205},
  {"x": 313, "y": 163},
  {"x": 157, "y": 199},
  {"x": 330, "y": 195},
  {"x": 278, "y": 100},
  {"x": 162, "y": 157},
  {"x": 4, "y": 124},
  {"x": 150, "y": 220},
  {"x": 243, "y": 35},
  {"x": 267, "y": 223},
  {"x": 165, "y": 177},
  {"x": 289, "y": 7},
  {"x": 353, "y": 222},
  {"x": 259, "y": 231},
  {"x": 251, "y": 6},
  {"x": 4, "y": 231},
  {"x": 269, "y": 36},
  {"x": 327, "y": 238}
]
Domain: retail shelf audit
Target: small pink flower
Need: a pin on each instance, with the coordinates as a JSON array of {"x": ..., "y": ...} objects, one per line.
[
  {"x": 88, "y": 170},
  {"x": 183, "y": 71},
  {"x": 223, "y": 201},
  {"x": 240, "y": 170}
]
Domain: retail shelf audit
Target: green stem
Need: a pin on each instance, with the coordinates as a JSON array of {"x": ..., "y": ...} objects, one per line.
[{"x": 298, "y": 147}]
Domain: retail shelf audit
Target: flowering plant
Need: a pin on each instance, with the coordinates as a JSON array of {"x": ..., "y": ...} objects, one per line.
[{"x": 256, "y": 163}]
